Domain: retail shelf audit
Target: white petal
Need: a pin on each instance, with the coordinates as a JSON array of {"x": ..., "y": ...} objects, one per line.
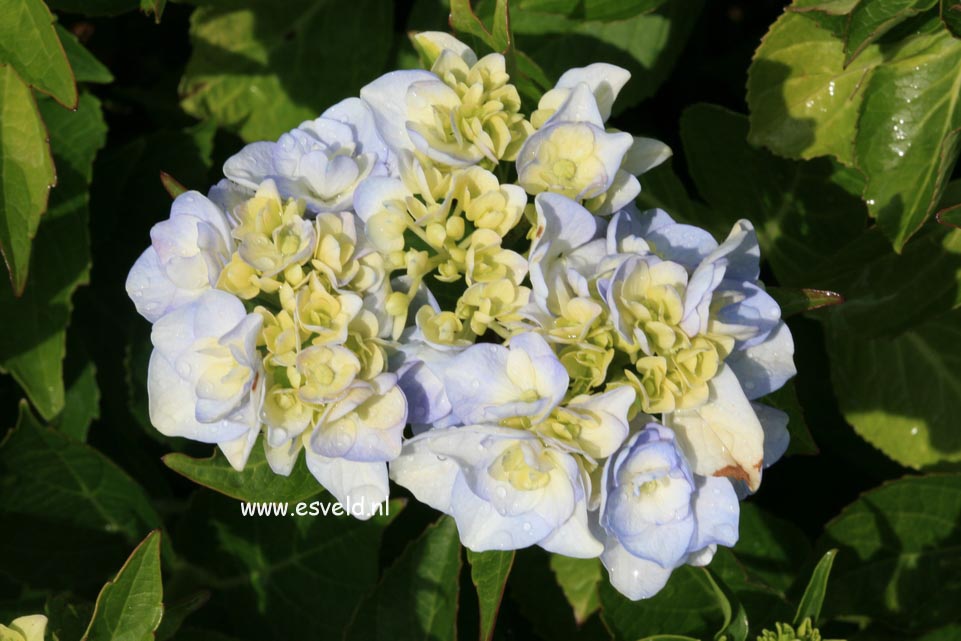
[
  {"x": 610, "y": 149},
  {"x": 238, "y": 450},
  {"x": 212, "y": 314},
  {"x": 742, "y": 252},
  {"x": 355, "y": 113},
  {"x": 353, "y": 484},
  {"x": 252, "y": 164},
  {"x": 172, "y": 406},
  {"x": 611, "y": 409},
  {"x": 716, "y": 510},
  {"x": 645, "y": 154},
  {"x": 604, "y": 80},
  {"x": 282, "y": 458},
  {"x": 483, "y": 528},
  {"x": 31, "y": 627},
  {"x": 633, "y": 577},
  {"x": 152, "y": 293},
  {"x": 574, "y": 538},
  {"x": 776, "y": 435},
  {"x": 622, "y": 192},
  {"x": 429, "y": 477},
  {"x": 370, "y": 196},
  {"x": 765, "y": 368},
  {"x": 433, "y": 43},
  {"x": 580, "y": 106},
  {"x": 722, "y": 437},
  {"x": 387, "y": 98}
]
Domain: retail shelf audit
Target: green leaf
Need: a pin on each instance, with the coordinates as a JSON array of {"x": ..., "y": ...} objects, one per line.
[
  {"x": 57, "y": 477},
  {"x": 463, "y": 19},
  {"x": 535, "y": 592},
  {"x": 688, "y": 605},
  {"x": 256, "y": 483},
  {"x": 254, "y": 69},
  {"x": 82, "y": 404},
  {"x": 771, "y": 549},
  {"x": 871, "y": 20},
  {"x": 604, "y": 10},
  {"x": 153, "y": 8},
  {"x": 86, "y": 67},
  {"x": 735, "y": 625},
  {"x": 618, "y": 9},
  {"x": 647, "y": 45},
  {"x": 764, "y": 603},
  {"x": 279, "y": 578},
  {"x": 833, "y": 7},
  {"x": 900, "y": 393},
  {"x": 417, "y": 596},
  {"x": 803, "y": 101},
  {"x": 61, "y": 260},
  {"x": 579, "y": 579},
  {"x": 951, "y": 16},
  {"x": 801, "y": 212},
  {"x": 950, "y": 216},
  {"x": 29, "y": 43},
  {"x": 129, "y": 608},
  {"x": 886, "y": 293},
  {"x": 171, "y": 184},
  {"x": 175, "y": 613},
  {"x": 813, "y": 598},
  {"x": 488, "y": 573},
  {"x": 900, "y": 554},
  {"x": 797, "y": 301},
  {"x": 907, "y": 140},
  {"x": 94, "y": 7},
  {"x": 26, "y": 174}
]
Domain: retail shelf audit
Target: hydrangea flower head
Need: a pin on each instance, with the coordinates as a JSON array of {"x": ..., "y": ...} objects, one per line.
[{"x": 428, "y": 285}]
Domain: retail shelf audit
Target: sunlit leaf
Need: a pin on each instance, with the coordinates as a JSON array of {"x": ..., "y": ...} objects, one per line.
[
  {"x": 417, "y": 596},
  {"x": 29, "y": 43},
  {"x": 907, "y": 138},
  {"x": 813, "y": 598},
  {"x": 129, "y": 608},
  {"x": 60, "y": 263},
  {"x": 257, "y": 482},
  {"x": 26, "y": 174},
  {"x": 265, "y": 67},
  {"x": 804, "y": 101},
  {"x": 898, "y": 561},
  {"x": 579, "y": 579},
  {"x": 900, "y": 393},
  {"x": 489, "y": 572}
]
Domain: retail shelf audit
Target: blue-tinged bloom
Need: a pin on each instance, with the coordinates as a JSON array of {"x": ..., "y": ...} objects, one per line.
[
  {"x": 573, "y": 154},
  {"x": 487, "y": 383},
  {"x": 567, "y": 251},
  {"x": 462, "y": 112},
  {"x": 205, "y": 378},
  {"x": 322, "y": 161},
  {"x": 727, "y": 345},
  {"x": 185, "y": 257},
  {"x": 656, "y": 514},
  {"x": 505, "y": 488}
]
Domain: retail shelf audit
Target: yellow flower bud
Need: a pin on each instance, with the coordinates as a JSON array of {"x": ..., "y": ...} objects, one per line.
[{"x": 327, "y": 371}]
